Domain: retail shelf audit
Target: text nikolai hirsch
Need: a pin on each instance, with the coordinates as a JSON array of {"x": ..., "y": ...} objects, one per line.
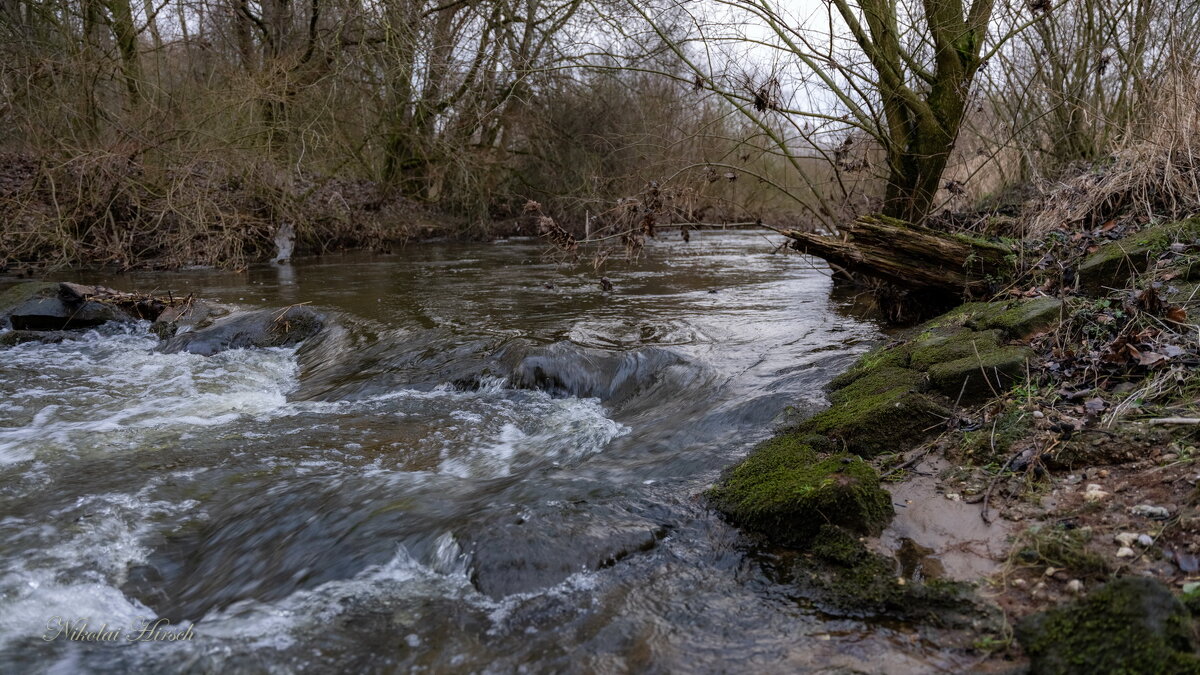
[{"x": 143, "y": 630}]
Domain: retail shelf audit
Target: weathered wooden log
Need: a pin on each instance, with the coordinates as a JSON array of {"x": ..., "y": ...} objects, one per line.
[{"x": 909, "y": 255}]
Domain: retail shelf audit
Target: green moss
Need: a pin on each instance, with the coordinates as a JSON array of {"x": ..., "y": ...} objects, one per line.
[
  {"x": 980, "y": 377},
  {"x": 874, "y": 425},
  {"x": 944, "y": 346},
  {"x": 786, "y": 491},
  {"x": 879, "y": 381},
  {"x": 883, "y": 356},
  {"x": 1017, "y": 319},
  {"x": 1129, "y": 626},
  {"x": 1114, "y": 262}
]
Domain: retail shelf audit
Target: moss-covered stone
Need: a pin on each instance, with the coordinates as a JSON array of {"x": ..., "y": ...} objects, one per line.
[
  {"x": 1017, "y": 319},
  {"x": 873, "y": 425},
  {"x": 1129, "y": 626},
  {"x": 786, "y": 491},
  {"x": 877, "y": 382},
  {"x": 883, "y": 356},
  {"x": 980, "y": 377},
  {"x": 1115, "y": 262},
  {"x": 946, "y": 346}
]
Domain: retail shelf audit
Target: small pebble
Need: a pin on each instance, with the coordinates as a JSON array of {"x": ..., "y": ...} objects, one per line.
[
  {"x": 1093, "y": 493},
  {"x": 1125, "y": 552},
  {"x": 953, "y": 496},
  {"x": 1019, "y": 583},
  {"x": 1075, "y": 586},
  {"x": 1126, "y": 538},
  {"x": 1145, "y": 540},
  {"x": 1103, "y": 473},
  {"x": 1038, "y": 414}
]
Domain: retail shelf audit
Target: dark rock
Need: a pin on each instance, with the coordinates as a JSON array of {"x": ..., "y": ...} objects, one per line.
[
  {"x": 520, "y": 557},
  {"x": 53, "y": 307},
  {"x": 260, "y": 328},
  {"x": 15, "y": 337},
  {"x": 1130, "y": 625},
  {"x": 786, "y": 491}
]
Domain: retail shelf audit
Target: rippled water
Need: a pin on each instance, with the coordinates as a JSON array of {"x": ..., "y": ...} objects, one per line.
[{"x": 484, "y": 464}]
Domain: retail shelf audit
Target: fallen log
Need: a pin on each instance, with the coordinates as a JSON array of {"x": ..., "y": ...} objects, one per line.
[{"x": 911, "y": 256}]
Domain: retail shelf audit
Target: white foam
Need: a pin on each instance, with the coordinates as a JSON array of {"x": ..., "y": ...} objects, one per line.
[{"x": 123, "y": 394}]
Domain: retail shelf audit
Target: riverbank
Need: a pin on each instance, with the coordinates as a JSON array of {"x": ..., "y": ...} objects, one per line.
[{"x": 1063, "y": 416}]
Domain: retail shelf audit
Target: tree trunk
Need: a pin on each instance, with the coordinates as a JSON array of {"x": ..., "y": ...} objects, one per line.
[{"x": 911, "y": 256}]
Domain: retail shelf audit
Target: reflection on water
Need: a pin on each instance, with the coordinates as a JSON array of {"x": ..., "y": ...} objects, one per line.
[{"x": 485, "y": 463}]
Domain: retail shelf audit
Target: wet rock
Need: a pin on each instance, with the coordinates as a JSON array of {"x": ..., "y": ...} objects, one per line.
[
  {"x": 1145, "y": 540},
  {"x": 190, "y": 315},
  {"x": 787, "y": 492},
  {"x": 16, "y": 337},
  {"x": 38, "y": 306},
  {"x": 538, "y": 553},
  {"x": 1131, "y": 625},
  {"x": 260, "y": 328},
  {"x": 980, "y": 377}
]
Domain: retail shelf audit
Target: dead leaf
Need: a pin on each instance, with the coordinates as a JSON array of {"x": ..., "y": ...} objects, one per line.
[
  {"x": 1095, "y": 406},
  {"x": 1150, "y": 359},
  {"x": 1176, "y": 314}
]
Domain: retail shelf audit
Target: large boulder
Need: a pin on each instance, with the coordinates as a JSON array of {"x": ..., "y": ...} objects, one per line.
[
  {"x": 1130, "y": 625},
  {"x": 787, "y": 491},
  {"x": 260, "y": 328}
]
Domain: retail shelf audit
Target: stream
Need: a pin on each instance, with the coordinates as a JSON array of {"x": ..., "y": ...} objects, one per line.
[{"x": 485, "y": 463}]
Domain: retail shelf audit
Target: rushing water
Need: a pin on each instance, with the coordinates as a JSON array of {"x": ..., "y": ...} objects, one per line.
[{"x": 485, "y": 463}]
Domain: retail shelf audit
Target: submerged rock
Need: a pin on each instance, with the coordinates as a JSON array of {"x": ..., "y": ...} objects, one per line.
[
  {"x": 1131, "y": 625},
  {"x": 786, "y": 491},
  {"x": 261, "y": 328}
]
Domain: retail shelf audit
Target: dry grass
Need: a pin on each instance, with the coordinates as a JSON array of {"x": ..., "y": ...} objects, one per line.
[
  {"x": 1154, "y": 174},
  {"x": 114, "y": 208}
]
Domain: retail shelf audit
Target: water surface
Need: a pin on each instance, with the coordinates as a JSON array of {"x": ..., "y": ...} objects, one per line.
[{"x": 486, "y": 463}]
